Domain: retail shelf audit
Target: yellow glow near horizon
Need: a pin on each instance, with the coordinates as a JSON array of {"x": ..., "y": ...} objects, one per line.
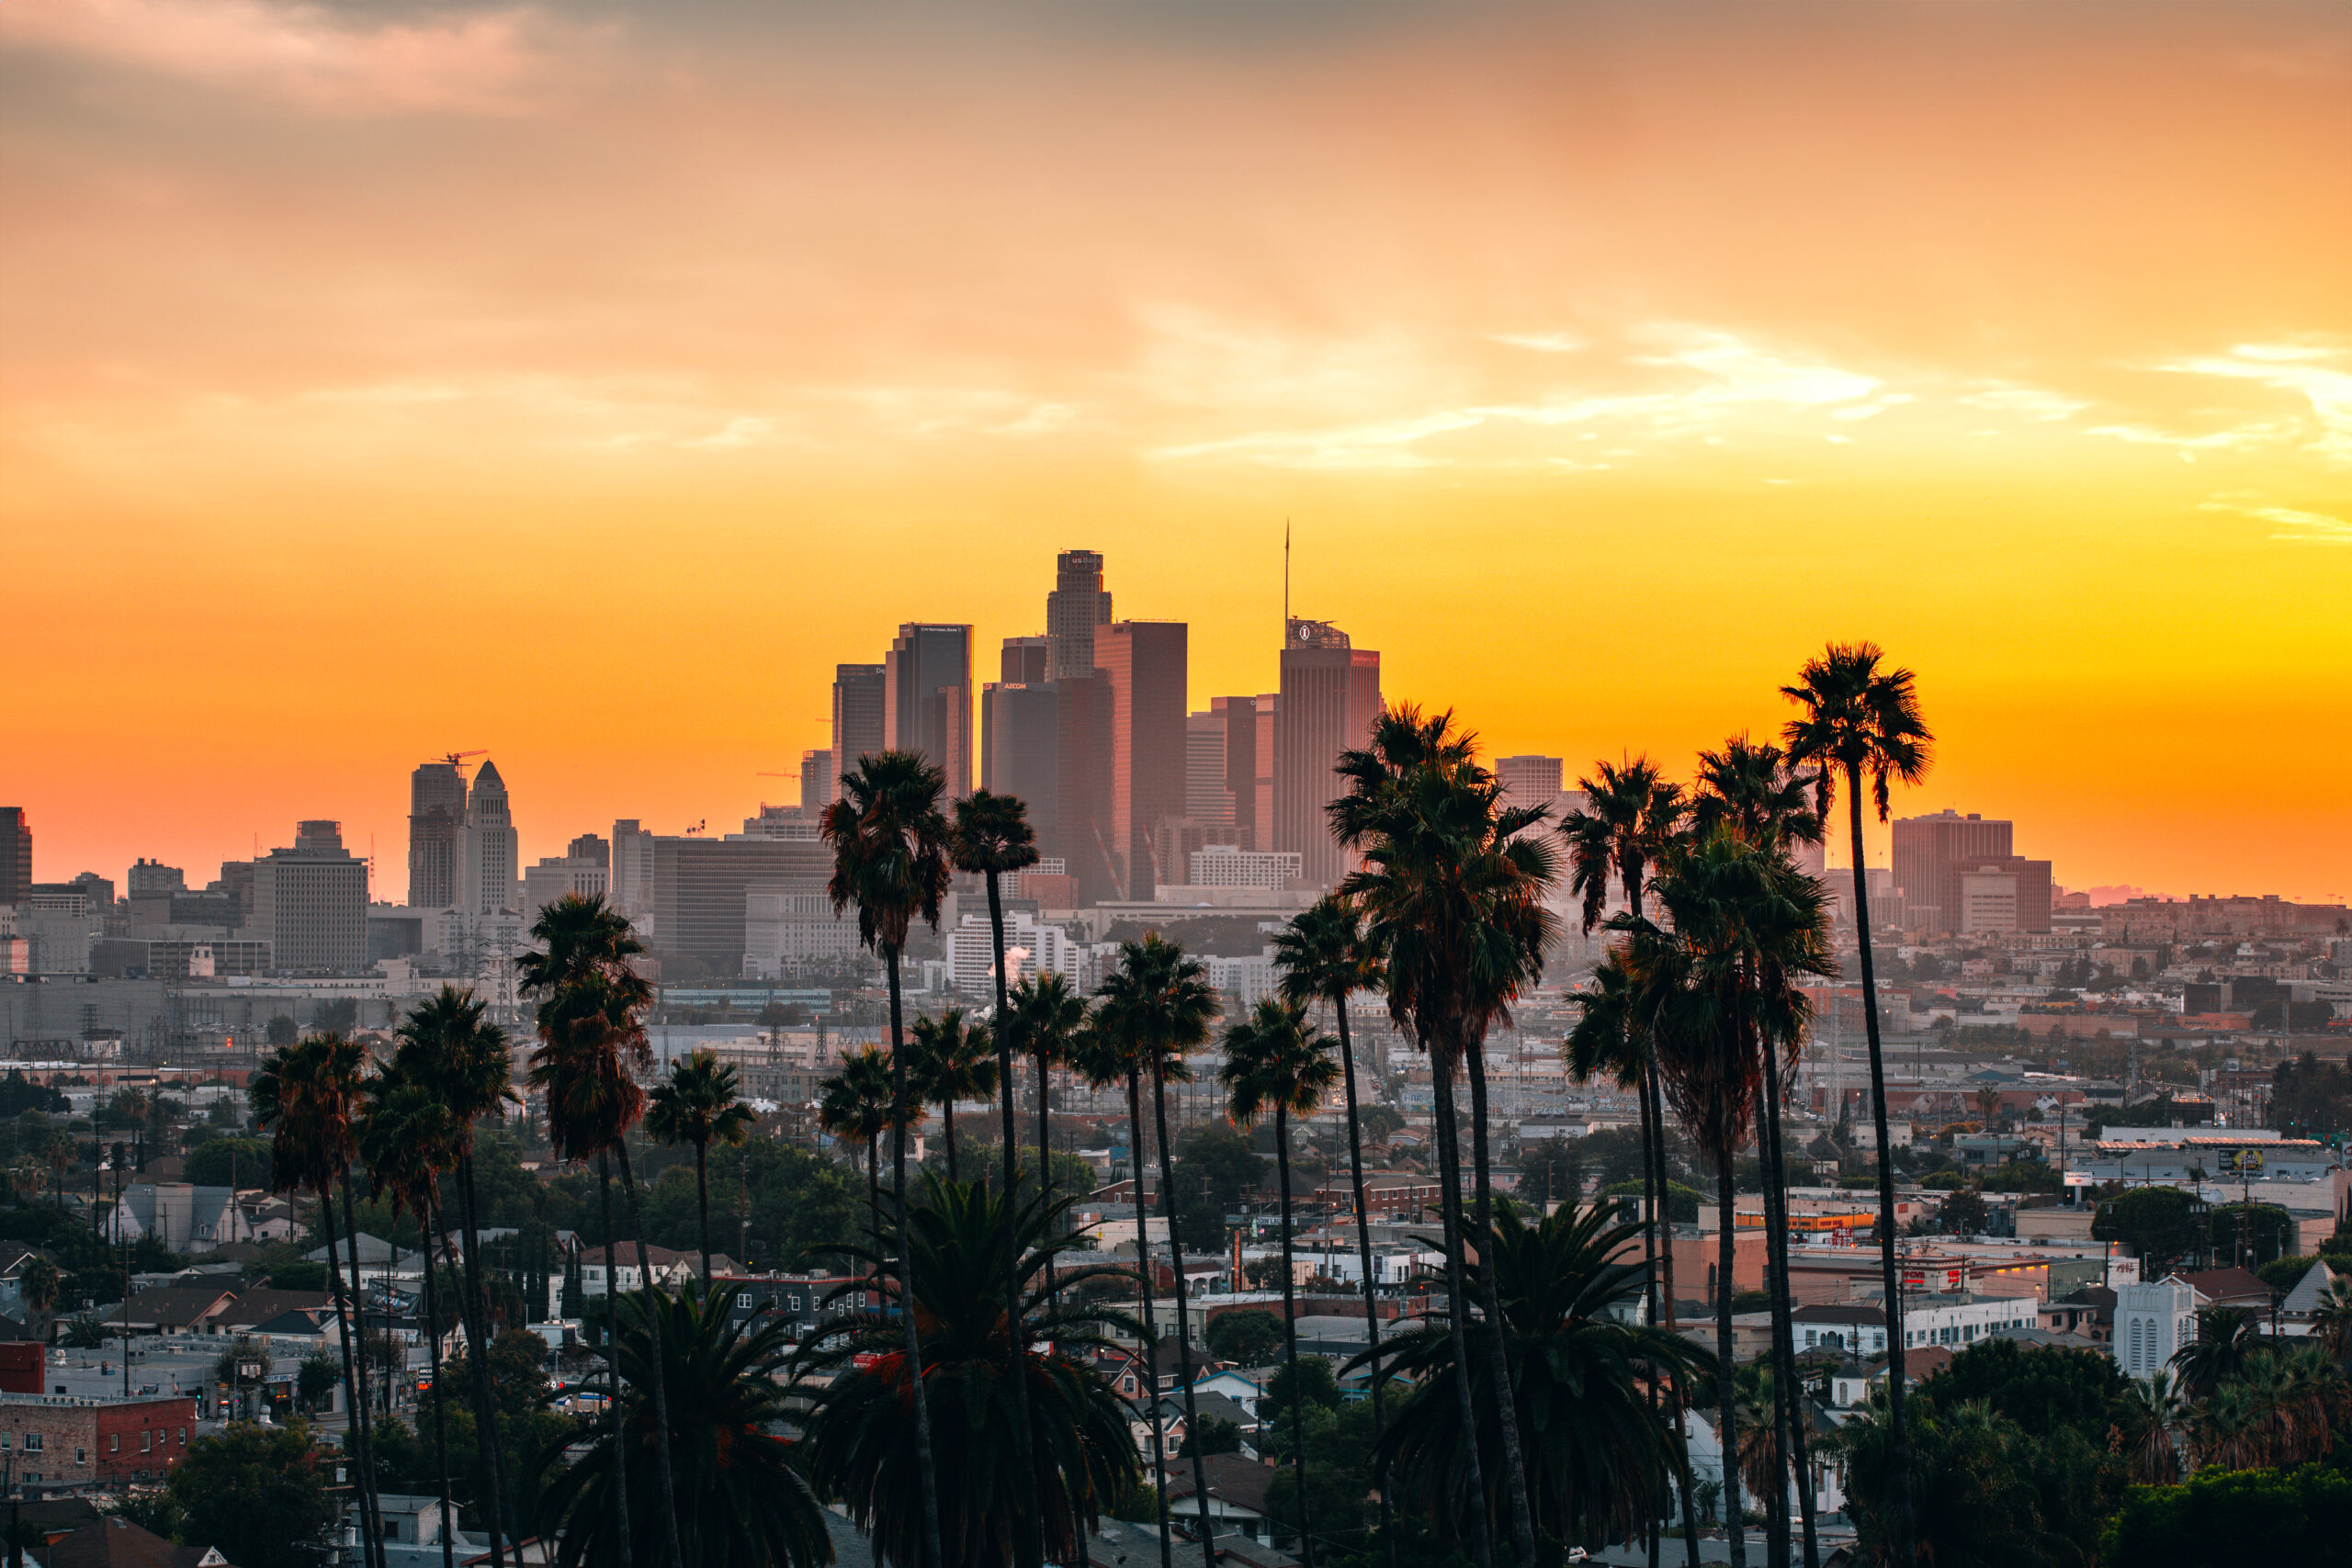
[{"x": 584, "y": 385}]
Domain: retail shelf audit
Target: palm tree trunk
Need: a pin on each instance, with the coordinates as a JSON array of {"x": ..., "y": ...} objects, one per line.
[
  {"x": 1650, "y": 1195},
  {"x": 874, "y": 1187},
  {"x": 1183, "y": 1324},
  {"x": 371, "y": 1505},
  {"x": 1726, "y": 1390},
  {"x": 655, "y": 1354},
  {"x": 1898, "y": 1444},
  {"x": 1290, "y": 1340},
  {"x": 925, "y": 1464},
  {"x": 1363, "y": 1257},
  {"x": 947, "y": 1115},
  {"x": 1783, "y": 1322},
  {"x": 1522, "y": 1518},
  {"x": 1151, "y": 1326},
  {"x": 702, "y": 1203},
  {"x": 613, "y": 1359},
  {"x": 1449, "y": 1204},
  {"x": 440, "y": 1395},
  {"x": 350, "y": 1382},
  {"x": 497, "y": 1510},
  {"x": 1028, "y": 1540},
  {"x": 1675, "y": 1396}
]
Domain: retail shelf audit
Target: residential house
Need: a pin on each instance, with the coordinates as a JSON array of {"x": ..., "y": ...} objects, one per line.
[{"x": 671, "y": 1269}]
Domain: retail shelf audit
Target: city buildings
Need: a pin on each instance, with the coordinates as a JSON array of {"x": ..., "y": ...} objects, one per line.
[
  {"x": 927, "y": 699},
  {"x": 858, "y": 707},
  {"x": 15, "y": 854},
  {"x": 1145, "y": 664},
  {"x": 1330, "y": 695},
  {"x": 310, "y": 903},
  {"x": 1960, "y": 875},
  {"x": 1076, "y": 609},
  {"x": 584, "y": 868},
  {"x": 436, "y": 820},
  {"x": 488, "y": 856}
]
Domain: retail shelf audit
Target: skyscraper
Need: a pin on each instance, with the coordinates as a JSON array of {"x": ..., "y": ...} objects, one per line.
[
  {"x": 816, "y": 781},
  {"x": 489, "y": 862},
  {"x": 857, "y": 721},
  {"x": 1529, "y": 781},
  {"x": 1250, "y": 765},
  {"x": 15, "y": 854},
  {"x": 927, "y": 699},
  {"x": 311, "y": 903},
  {"x": 1962, "y": 873},
  {"x": 1145, "y": 665},
  {"x": 436, "y": 818},
  {"x": 1024, "y": 753},
  {"x": 1330, "y": 695},
  {"x": 1208, "y": 789},
  {"x": 1025, "y": 662},
  {"x": 1075, "y": 610}
]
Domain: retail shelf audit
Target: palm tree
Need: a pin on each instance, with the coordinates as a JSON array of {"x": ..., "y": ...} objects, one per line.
[
  {"x": 2227, "y": 1338},
  {"x": 889, "y": 844},
  {"x": 697, "y": 1104},
  {"x": 1274, "y": 1061},
  {"x": 1859, "y": 718},
  {"x": 747, "y": 1501},
  {"x": 407, "y": 1138},
  {"x": 1158, "y": 1004},
  {"x": 1749, "y": 789},
  {"x": 952, "y": 1062},
  {"x": 1000, "y": 1497},
  {"x": 304, "y": 1096},
  {"x": 38, "y": 1283},
  {"x": 1597, "y": 1447},
  {"x": 1452, "y": 888},
  {"x": 1322, "y": 956},
  {"x": 1106, "y": 1058},
  {"x": 446, "y": 1044},
  {"x": 991, "y": 839},
  {"x": 856, "y": 1103},
  {"x": 1048, "y": 1016},
  {"x": 592, "y": 1035},
  {"x": 2331, "y": 1319},
  {"x": 2157, "y": 1410}
]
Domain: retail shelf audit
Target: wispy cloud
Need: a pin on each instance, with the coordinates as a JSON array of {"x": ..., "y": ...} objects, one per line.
[
  {"x": 2298, "y": 527},
  {"x": 2315, "y": 373}
]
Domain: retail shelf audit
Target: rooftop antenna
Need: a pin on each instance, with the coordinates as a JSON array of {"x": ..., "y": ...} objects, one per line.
[{"x": 1286, "y": 579}]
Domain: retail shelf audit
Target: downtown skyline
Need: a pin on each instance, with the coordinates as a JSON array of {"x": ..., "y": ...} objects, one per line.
[{"x": 355, "y": 425}]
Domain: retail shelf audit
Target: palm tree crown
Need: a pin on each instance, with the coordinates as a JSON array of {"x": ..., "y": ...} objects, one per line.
[
  {"x": 1631, "y": 813},
  {"x": 1275, "y": 1064},
  {"x": 952, "y": 1060},
  {"x": 697, "y": 1104},
  {"x": 1858, "y": 719},
  {"x": 889, "y": 844}
]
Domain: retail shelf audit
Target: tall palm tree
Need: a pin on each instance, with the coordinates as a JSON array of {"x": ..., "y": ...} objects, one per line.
[
  {"x": 1632, "y": 815},
  {"x": 697, "y": 1104},
  {"x": 991, "y": 840},
  {"x": 1859, "y": 718},
  {"x": 856, "y": 1103},
  {"x": 1452, "y": 887},
  {"x": 748, "y": 1503},
  {"x": 1579, "y": 1355},
  {"x": 591, "y": 1002},
  {"x": 304, "y": 1096},
  {"x": 446, "y": 1044},
  {"x": 2157, "y": 1410},
  {"x": 1048, "y": 1016},
  {"x": 1107, "y": 1055},
  {"x": 1001, "y": 1498},
  {"x": 953, "y": 1061},
  {"x": 2331, "y": 1319},
  {"x": 2227, "y": 1338},
  {"x": 1273, "y": 1061},
  {"x": 889, "y": 844},
  {"x": 1322, "y": 956},
  {"x": 407, "y": 1138},
  {"x": 1747, "y": 788}
]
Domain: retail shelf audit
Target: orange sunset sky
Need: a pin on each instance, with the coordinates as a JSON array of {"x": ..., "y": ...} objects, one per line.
[{"x": 583, "y": 382}]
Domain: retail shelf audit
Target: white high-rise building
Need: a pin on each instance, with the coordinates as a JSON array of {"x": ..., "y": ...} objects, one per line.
[{"x": 488, "y": 863}]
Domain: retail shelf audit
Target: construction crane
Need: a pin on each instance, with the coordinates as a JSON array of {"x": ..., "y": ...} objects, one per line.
[{"x": 454, "y": 758}]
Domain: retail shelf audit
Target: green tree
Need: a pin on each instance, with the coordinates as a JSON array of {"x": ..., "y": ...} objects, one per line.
[
  {"x": 1859, "y": 718},
  {"x": 1274, "y": 1061},
  {"x": 697, "y": 1104},
  {"x": 229, "y": 1162},
  {"x": 862, "y": 1444},
  {"x": 1453, "y": 890},
  {"x": 890, "y": 859},
  {"x": 1214, "y": 1435},
  {"x": 1247, "y": 1336},
  {"x": 37, "y": 1283},
  {"x": 952, "y": 1061},
  {"x": 744, "y": 1500},
  {"x": 1150, "y": 1012},
  {"x": 2227, "y": 1518},
  {"x": 259, "y": 1496},
  {"x": 2158, "y": 1224},
  {"x": 1600, "y": 1453},
  {"x": 2040, "y": 1387},
  {"x": 282, "y": 1030}
]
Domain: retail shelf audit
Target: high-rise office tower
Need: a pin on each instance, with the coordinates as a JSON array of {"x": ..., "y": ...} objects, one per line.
[
  {"x": 1529, "y": 781},
  {"x": 310, "y": 903},
  {"x": 15, "y": 854},
  {"x": 1250, "y": 765},
  {"x": 489, "y": 862},
  {"x": 1935, "y": 858},
  {"x": 1024, "y": 753},
  {"x": 1075, "y": 611},
  {"x": 1144, "y": 663},
  {"x": 1208, "y": 789},
  {"x": 927, "y": 699},
  {"x": 1025, "y": 662},
  {"x": 436, "y": 818},
  {"x": 1330, "y": 695},
  {"x": 857, "y": 721},
  {"x": 816, "y": 781}
]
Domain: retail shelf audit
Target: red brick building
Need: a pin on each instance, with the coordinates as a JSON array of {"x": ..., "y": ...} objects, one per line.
[{"x": 59, "y": 1439}]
